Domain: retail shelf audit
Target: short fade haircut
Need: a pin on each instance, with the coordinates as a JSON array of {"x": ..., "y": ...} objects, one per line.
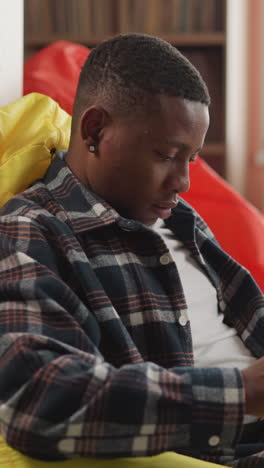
[{"x": 124, "y": 72}]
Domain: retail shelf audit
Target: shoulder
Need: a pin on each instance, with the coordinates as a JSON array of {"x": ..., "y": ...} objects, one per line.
[
  {"x": 33, "y": 222},
  {"x": 34, "y": 204}
]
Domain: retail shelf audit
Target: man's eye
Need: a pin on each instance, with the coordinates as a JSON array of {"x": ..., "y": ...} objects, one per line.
[
  {"x": 165, "y": 157},
  {"x": 168, "y": 158}
]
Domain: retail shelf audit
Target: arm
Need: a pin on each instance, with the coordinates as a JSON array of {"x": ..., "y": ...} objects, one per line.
[
  {"x": 58, "y": 396},
  {"x": 254, "y": 388}
]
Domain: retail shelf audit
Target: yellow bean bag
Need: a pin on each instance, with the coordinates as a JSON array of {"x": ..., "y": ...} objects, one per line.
[{"x": 30, "y": 128}]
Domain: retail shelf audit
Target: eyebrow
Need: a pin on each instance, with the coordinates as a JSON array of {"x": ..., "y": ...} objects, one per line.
[
  {"x": 180, "y": 145},
  {"x": 175, "y": 143}
]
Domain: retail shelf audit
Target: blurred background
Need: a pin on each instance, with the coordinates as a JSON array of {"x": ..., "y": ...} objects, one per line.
[{"x": 224, "y": 39}]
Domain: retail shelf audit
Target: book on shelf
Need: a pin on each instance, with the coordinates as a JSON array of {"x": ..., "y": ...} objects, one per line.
[
  {"x": 171, "y": 16},
  {"x": 70, "y": 17},
  {"x": 85, "y": 18}
]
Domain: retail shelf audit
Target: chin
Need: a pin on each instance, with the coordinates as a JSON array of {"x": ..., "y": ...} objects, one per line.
[
  {"x": 149, "y": 221},
  {"x": 144, "y": 218}
]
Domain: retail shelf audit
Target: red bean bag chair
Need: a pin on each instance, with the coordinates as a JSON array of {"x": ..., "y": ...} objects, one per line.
[
  {"x": 238, "y": 227},
  {"x": 54, "y": 71}
]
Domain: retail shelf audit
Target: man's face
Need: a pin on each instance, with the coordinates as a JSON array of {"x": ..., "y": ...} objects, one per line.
[{"x": 143, "y": 164}]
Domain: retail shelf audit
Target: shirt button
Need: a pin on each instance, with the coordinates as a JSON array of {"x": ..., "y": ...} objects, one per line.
[
  {"x": 165, "y": 259},
  {"x": 183, "y": 320},
  {"x": 202, "y": 260},
  {"x": 214, "y": 440},
  {"x": 222, "y": 306}
]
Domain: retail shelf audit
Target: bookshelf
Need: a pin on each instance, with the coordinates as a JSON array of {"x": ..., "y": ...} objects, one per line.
[{"x": 196, "y": 27}]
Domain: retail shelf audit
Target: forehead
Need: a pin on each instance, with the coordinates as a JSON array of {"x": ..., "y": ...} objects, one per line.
[
  {"x": 165, "y": 120},
  {"x": 179, "y": 117}
]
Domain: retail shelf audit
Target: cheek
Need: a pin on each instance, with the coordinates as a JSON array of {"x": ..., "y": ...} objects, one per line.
[
  {"x": 150, "y": 180},
  {"x": 130, "y": 166}
]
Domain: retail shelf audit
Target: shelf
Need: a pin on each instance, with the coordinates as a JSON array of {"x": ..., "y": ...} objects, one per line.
[
  {"x": 185, "y": 39},
  {"x": 198, "y": 39},
  {"x": 216, "y": 150}
]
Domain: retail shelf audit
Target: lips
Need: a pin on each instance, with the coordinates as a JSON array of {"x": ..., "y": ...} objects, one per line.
[
  {"x": 163, "y": 209},
  {"x": 167, "y": 205}
]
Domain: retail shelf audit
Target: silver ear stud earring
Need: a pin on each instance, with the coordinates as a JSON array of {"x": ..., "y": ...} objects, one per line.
[{"x": 92, "y": 149}]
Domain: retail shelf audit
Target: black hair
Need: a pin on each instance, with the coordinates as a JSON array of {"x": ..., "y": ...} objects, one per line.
[{"x": 123, "y": 72}]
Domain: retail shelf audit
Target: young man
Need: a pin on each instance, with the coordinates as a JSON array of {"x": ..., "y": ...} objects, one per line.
[{"x": 125, "y": 329}]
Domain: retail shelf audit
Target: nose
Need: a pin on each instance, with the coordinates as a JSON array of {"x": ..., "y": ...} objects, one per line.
[{"x": 179, "y": 178}]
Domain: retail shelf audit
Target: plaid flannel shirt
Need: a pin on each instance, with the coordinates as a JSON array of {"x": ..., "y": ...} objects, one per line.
[{"x": 94, "y": 357}]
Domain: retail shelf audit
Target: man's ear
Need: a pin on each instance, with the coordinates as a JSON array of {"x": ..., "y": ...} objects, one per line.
[{"x": 93, "y": 122}]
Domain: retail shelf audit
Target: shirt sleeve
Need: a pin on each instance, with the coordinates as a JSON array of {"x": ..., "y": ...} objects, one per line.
[{"x": 60, "y": 399}]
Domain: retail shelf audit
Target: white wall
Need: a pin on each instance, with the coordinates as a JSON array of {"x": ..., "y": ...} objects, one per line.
[
  {"x": 259, "y": 156},
  {"x": 11, "y": 50},
  {"x": 237, "y": 92}
]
